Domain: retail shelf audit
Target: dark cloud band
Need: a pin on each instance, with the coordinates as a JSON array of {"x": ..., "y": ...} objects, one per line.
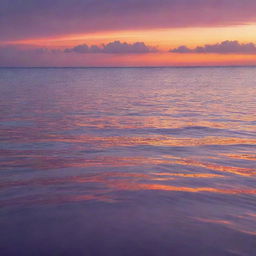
[
  {"x": 115, "y": 47},
  {"x": 224, "y": 47}
]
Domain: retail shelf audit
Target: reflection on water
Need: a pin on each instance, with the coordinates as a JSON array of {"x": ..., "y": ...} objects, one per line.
[{"x": 154, "y": 161}]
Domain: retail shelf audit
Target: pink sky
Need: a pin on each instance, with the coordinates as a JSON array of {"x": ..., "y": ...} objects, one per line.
[{"x": 127, "y": 33}]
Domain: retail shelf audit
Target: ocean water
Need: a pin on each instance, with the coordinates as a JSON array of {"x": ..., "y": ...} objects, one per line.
[{"x": 128, "y": 161}]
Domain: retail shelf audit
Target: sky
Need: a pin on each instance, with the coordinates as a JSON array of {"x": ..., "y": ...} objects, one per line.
[{"x": 35, "y": 33}]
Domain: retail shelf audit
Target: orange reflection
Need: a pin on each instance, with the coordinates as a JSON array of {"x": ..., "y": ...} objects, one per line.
[
  {"x": 160, "y": 122},
  {"x": 103, "y": 183},
  {"x": 153, "y": 140},
  {"x": 242, "y": 156},
  {"x": 138, "y": 186},
  {"x": 217, "y": 221},
  {"x": 233, "y": 225},
  {"x": 101, "y": 177},
  {"x": 191, "y": 175},
  {"x": 235, "y": 170}
]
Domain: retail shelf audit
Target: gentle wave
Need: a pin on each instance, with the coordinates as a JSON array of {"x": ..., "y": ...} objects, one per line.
[{"x": 154, "y": 155}]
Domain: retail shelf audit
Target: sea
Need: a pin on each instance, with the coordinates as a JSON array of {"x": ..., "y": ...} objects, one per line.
[{"x": 128, "y": 161}]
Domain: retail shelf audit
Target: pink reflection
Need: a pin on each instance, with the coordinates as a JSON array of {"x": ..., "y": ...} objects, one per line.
[{"x": 238, "y": 226}]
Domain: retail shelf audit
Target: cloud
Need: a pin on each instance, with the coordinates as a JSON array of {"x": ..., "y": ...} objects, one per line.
[
  {"x": 181, "y": 49},
  {"x": 29, "y": 55},
  {"x": 224, "y": 47},
  {"x": 18, "y": 55},
  {"x": 23, "y": 19},
  {"x": 83, "y": 48},
  {"x": 115, "y": 47}
]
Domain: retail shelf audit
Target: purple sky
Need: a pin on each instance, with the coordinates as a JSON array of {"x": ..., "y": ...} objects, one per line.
[{"x": 22, "y": 19}]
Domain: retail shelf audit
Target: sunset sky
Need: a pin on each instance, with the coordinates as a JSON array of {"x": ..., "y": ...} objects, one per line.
[{"x": 127, "y": 32}]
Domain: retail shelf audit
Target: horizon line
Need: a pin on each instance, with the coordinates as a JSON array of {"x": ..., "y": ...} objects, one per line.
[{"x": 84, "y": 67}]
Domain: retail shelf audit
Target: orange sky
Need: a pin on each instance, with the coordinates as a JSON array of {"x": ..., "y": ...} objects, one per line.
[{"x": 163, "y": 39}]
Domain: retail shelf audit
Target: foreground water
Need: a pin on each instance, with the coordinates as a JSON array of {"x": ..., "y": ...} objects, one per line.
[{"x": 126, "y": 161}]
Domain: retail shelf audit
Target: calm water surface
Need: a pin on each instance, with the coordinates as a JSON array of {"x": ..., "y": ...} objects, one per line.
[{"x": 126, "y": 161}]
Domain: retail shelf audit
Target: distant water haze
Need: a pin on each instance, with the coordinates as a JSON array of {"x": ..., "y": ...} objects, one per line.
[{"x": 128, "y": 161}]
